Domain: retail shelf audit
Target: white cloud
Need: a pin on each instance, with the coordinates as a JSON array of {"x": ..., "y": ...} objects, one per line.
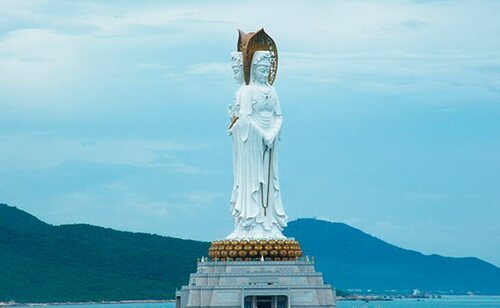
[
  {"x": 202, "y": 197},
  {"x": 34, "y": 152},
  {"x": 153, "y": 67},
  {"x": 211, "y": 69},
  {"x": 36, "y": 58},
  {"x": 121, "y": 206},
  {"x": 371, "y": 47},
  {"x": 393, "y": 71},
  {"x": 116, "y": 207},
  {"x": 220, "y": 69}
]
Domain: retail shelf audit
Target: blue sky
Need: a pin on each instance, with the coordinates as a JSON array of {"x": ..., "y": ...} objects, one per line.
[{"x": 114, "y": 114}]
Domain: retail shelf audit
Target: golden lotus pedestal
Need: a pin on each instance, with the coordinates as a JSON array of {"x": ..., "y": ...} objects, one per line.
[{"x": 254, "y": 250}]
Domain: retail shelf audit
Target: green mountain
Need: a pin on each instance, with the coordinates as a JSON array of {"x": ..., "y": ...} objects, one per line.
[
  {"x": 352, "y": 259},
  {"x": 44, "y": 263}
]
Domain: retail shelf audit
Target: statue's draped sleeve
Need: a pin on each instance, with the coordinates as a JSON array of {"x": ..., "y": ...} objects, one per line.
[
  {"x": 245, "y": 112},
  {"x": 279, "y": 119}
]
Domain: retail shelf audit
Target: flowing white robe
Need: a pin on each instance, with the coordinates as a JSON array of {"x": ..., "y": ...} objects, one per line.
[
  {"x": 234, "y": 112},
  {"x": 260, "y": 116}
]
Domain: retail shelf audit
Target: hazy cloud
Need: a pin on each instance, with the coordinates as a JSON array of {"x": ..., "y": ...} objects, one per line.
[
  {"x": 44, "y": 152},
  {"x": 391, "y": 112}
]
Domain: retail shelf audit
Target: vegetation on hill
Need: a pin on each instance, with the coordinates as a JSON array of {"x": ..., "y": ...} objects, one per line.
[
  {"x": 44, "y": 263},
  {"x": 352, "y": 259}
]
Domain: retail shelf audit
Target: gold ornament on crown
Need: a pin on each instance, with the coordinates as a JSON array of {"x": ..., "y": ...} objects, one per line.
[{"x": 249, "y": 43}]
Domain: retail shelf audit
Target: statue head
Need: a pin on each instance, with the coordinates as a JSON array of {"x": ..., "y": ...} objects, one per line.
[
  {"x": 252, "y": 42},
  {"x": 237, "y": 66},
  {"x": 261, "y": 65}
]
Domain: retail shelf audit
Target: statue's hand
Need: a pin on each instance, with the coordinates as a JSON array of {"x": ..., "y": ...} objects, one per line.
[{"x": 269, "y": 140}]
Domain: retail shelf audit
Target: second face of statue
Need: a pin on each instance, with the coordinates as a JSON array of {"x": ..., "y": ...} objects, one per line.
[{"x": 238, "y": 74}]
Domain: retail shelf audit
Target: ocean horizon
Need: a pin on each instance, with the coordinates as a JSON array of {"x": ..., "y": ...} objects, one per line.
[{"x": 460, "y": 301}]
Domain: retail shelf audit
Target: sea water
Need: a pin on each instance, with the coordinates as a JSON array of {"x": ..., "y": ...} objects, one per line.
[{"x": 445, "y": 301}]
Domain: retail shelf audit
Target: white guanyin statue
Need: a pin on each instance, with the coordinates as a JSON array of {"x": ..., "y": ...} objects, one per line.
[{"x": 256, "y": 204}]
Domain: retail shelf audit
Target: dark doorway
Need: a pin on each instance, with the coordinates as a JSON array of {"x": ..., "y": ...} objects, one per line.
[
  {"x": 279, "y": 301},
  {"x": 264, "y": 301}
]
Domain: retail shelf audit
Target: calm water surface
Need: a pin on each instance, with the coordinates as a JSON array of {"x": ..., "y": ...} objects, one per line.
[{"x": 446, "y": 301}]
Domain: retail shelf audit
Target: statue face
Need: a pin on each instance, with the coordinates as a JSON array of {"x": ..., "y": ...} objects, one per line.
[
  {"x": 261, "y": 74},
  {"x": 238, "y": 73}
]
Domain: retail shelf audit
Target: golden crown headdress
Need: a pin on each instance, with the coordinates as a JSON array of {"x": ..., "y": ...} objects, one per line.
[{"x": 249, "y": 43}]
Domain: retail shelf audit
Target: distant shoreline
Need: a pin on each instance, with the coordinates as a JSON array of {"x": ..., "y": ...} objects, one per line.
[
  {"x": 361, "y": 299},
  {"x": 14, "y": 304}
]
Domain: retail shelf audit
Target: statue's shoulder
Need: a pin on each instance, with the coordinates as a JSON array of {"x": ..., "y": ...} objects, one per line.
[
  {"x": 246, "y": 92},
  {"x": 273, "y": 90},
  {"x": 242, "y": 89}
]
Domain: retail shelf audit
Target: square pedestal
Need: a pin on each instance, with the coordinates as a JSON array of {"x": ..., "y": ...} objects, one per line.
[{"x": 256, "y": 284}]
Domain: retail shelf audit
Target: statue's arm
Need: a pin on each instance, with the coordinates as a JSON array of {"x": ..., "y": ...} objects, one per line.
[
  {"x": 234, "y": 108},
  {"x": 278, "y": 120},
  {"x": 234, "y": 111},
  {"x": 274, "y": 132}
]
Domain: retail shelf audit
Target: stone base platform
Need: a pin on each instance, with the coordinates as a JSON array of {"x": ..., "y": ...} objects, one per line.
[{"x": 256, "y": 284}]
